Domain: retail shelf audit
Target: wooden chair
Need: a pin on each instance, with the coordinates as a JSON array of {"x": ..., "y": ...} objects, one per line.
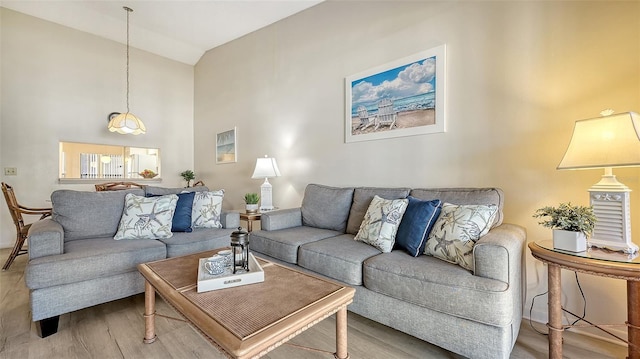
[
  {"x": 365, "y": 119},
  {"x": 22, "y": 229},
  {"x": 386, "y": 114},
  {"x": 117, "y": 186}
]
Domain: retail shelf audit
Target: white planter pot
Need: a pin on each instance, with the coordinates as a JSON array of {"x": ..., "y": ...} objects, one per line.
[
  {"x": 569, "y": 241},
  {"x": 252, "y": 208}
]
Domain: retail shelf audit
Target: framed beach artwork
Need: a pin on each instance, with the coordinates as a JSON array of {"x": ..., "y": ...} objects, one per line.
[
  {"x": 401, "y": 98},
  {"x": 226, "y": 147}
]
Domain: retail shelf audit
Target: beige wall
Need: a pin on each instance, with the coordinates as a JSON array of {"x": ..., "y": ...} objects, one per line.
[
  {"x": 519, "y": 75},
  {"x": 59, "y": 84}
]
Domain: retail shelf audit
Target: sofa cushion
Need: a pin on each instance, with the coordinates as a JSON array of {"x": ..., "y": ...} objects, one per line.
[
  {"x": 283, "y": 244},
  {"x": 89, "y": 214},
  {"x": 200, "y": 239},
  {"x": 440, "y": 286},
  {"x": 416, "y": 225},
  {"x": 457, "y": 230},
  {"x": 338, "y": 257},
  {"x": 87, "y": 259},
  {"x": 326, "y": 207},
  {"x": 362, "y": 197},
  {"x": 381, "y": 222},
  {"x": 207, "y": 206},
  {"x": 465, "y": 196}
]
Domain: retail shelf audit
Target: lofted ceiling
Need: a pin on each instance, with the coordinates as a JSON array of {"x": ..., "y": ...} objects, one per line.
[{"x": 181, "y": 30}]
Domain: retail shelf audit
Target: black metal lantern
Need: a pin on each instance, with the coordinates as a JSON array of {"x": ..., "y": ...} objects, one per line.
[{"x": 240, "y": 249}]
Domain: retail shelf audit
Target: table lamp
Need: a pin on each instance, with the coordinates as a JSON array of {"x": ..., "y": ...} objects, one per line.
[
  {"x": 612, "y": 140},
  {"x": 266, "y": 167}
]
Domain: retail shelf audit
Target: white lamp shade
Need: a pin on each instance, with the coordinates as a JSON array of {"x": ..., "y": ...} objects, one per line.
[
  {"x": 609, "y": 141},
  {"x": 266, "y": 168},
  {"x": 127, "y": 123}
]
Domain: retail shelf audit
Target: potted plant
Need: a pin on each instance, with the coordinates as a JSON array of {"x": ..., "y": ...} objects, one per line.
[
  {"x": 571, "y": 225},
  {"x": 188, "y": 176},
  {"x": 251, "y": 200}
]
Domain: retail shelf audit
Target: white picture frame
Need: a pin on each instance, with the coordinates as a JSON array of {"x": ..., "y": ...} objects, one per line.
[
  {"x": 226, "y": 149},
  {"x": 405, "y": 97}
]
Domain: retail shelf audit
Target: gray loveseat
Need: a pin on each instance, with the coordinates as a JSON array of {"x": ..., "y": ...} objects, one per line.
[
  {"x": 75, "y": 263},
  {"x": 473, "y": 313}
]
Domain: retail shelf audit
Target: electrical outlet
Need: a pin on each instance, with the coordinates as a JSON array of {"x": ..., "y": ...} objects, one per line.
[{"x": 10, "y": 171}]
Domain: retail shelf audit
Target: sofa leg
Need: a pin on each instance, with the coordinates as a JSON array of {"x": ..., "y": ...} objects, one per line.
[{"x": 46, "y": 327}]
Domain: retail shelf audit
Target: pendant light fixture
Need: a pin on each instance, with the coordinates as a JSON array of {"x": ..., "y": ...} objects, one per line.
[{"x": 126, "y": 123}]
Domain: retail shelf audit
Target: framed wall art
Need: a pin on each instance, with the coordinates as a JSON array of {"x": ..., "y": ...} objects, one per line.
[
  {"x": 404, "y": 97},
  {"x": 226, "y": 147}
]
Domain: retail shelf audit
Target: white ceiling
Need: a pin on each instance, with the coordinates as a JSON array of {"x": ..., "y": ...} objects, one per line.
[{"x": 181, "y": 30}]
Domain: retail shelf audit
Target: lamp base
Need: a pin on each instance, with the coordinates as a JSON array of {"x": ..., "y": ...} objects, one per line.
[
  {"x": 266, "y": 190},
  {"x": 609, "y": 183},
  {"x": 628, "y": 248},
  {"x": 611, "y": 205}
]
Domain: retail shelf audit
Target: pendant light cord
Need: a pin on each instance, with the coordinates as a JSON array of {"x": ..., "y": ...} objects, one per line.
[
  {"x": 127, "y": 123},
  {"x": 129, "y": 10}
]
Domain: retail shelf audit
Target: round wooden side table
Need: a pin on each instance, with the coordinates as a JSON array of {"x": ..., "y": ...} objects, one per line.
[{"x": 594, "y": 261}]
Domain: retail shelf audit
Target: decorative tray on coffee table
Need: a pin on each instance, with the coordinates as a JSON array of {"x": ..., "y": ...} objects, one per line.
[{"x": 226, "y": 279}]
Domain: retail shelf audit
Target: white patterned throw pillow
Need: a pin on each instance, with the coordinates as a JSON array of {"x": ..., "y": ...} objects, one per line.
[
  {"x": 457, "y": 230},
  {"x": 207, "y": 206},
  {"x": 146, "y": 217},
  {"x": 381, "y": 223}
]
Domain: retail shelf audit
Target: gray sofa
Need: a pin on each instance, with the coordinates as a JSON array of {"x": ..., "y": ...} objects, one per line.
[
  {"x": 74, "y": 261},
  {"x": 476, "y": 314}
]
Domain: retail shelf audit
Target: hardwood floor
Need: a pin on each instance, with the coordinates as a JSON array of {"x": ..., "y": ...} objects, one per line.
[{"x": 115, "y": 330}]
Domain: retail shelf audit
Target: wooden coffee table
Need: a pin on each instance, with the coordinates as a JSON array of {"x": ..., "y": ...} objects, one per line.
[{"x": 251, "y": 320}]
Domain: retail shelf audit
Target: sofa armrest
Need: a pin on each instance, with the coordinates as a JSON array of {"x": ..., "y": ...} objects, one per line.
[
  {"x": 281, "y": 219},
  {"x": 230, "y": 219},
  {"x": 498, "y": 254},
  {"x": 46, "y": 238}
]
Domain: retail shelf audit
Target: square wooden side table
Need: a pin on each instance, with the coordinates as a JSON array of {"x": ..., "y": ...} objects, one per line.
[{"x": 250, "y": 217}]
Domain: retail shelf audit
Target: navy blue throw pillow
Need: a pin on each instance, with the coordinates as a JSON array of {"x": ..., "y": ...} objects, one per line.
[
  {"x": 182, "y": 215},
  {"x": 416, "y": 224}
]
